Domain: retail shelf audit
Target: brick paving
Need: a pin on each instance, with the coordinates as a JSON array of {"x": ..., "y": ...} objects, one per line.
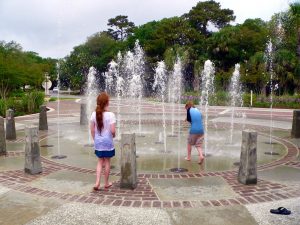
[{"x": 145, "y": 196}]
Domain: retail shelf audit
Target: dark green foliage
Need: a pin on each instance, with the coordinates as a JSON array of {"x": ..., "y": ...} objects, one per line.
[
  {"x": 19, "y": 68},
  {"x": 27, "y": 103},
  {"x": 121, "y": 27},
  {"x": 186, "y": 36},
  {"x": 209, "y": 11}
]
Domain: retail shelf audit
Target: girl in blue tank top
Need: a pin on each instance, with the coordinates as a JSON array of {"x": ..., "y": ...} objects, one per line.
[{"x": 196, "y": 134}]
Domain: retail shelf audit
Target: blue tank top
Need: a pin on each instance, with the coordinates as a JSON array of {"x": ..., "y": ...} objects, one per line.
[{"x": 196, "y": 121}]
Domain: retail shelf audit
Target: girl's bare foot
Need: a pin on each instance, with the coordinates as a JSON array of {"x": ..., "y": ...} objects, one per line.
[
  {"x": 201, "y": 160},
  {"x": 187, "y": 159}
]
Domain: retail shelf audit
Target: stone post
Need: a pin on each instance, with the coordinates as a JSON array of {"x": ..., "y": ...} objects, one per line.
[
  {"x": 33, "y": 164},
  {"x": 83, "y": 115},
  {"x": 296, "y": 124},
  {"x": 2, "y": 137},
  {"x": 128, "y": 161},
  {"x": 10, "y": 125},
  {"x": 248, "y": 161},
  {"x": 43, "y": 124}
]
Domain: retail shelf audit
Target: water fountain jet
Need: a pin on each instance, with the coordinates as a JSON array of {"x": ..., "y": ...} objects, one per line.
[
  {"x": 207, "y": 90},
  {"x": 269, "y": 55},
  {"x": 59, "y": 155},
  {"x": 159, "y": 85}
]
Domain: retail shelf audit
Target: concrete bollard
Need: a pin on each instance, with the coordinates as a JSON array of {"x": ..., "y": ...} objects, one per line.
[
  {"x": 33, "y": 164},
  {"x": 248, "y": 160},
  {"x": 128, "y": 162},
  {"x": 10, "y": 125},
  {"x": 296, "y": 124},
  {"x": 2, "y": 137},
  {"x": 83, "y": 115},
  {"x": 43, "y": 123}
]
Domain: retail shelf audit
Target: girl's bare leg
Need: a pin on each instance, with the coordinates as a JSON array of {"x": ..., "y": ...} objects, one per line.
[
  {"x": 189, "y": 150},
  {"x": 98, "y": 171},
  {"x": 106, "y": 174},
  {"x": 201, "y": 157}
]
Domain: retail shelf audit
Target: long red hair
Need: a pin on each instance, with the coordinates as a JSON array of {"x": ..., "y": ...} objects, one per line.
[{"x": 102, "y": 102}]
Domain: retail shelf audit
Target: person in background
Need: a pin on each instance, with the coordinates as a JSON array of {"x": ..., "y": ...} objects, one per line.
[
  {"x": 196, "y": 134},
  {"x": 102, "y": 127}
]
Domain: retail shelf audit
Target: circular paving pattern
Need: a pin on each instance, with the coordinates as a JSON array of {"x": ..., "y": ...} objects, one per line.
[{"x": 145, "y": 194}]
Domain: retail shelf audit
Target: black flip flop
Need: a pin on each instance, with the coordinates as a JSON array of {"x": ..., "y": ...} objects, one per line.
[{"x": 281, "y": 211}]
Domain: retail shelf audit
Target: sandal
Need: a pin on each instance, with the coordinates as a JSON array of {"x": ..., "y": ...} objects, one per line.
[
  {"x": 108, "y": 186},
  {"x": 96, "y": 188},
  {"x": 280, "y": 210}
]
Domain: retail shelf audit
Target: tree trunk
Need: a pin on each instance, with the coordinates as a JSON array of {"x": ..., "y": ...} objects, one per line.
[{"x": 4, "y": 89}]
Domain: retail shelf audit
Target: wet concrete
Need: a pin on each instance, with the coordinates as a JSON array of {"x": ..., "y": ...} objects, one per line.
[
  {"x": 13, "y": 163},
  {"x": 296, "y": 141},
  {"x": 19, "y": 208},
  {"x": 69, "y": 182},
  {"x": 15, "y": 146},
  {"x": 281, "y": 174},
  {"x": 151, "y": 156},
  {"x": 204, "y": 188}
]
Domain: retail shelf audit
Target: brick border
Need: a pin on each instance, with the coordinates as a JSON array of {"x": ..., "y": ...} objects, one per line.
[{"x": 144, "y": 195}]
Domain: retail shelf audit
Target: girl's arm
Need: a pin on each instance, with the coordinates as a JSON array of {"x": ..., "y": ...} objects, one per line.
[
  {"x": 188, "y": 115},
  {"x": 92, "y": 128},
  {"x": 113, "y": 129}
]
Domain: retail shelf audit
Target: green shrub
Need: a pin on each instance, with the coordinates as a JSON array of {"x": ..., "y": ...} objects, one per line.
[
  {"x": 17, "y": 93},
  {"x": 219, "y": 98},
  {"x": 247, "y": 99},
  {"x": 262, "y": 104},
  {"x": 23, "y": 104},
  {"x": 283, "y": 101},
  {"x": 32, "y": 101},
  {"x": 16, "y": 105},
  {"x": 52, "y": 99}
]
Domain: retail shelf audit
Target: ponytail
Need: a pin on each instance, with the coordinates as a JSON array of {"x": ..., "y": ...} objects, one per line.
[{"x": 102, "y": 102}]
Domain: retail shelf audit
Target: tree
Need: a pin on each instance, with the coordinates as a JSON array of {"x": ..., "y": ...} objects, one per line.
[
  {"x": 253, "y": 73},
  {"x": 18, "y": 68},
  {"x": 208, "y": 12},
  {"x": 295, "y": 16},
  {"x": 75, "y": 67},
  {"x": 121, "y": 27},
  {"x": 287, "y": 55},
  {"x": 99, "y": 49},
  {"x": 235, "y": 44}
]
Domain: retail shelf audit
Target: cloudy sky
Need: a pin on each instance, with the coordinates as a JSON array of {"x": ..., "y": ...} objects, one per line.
[{"x": 53, "y": 27}]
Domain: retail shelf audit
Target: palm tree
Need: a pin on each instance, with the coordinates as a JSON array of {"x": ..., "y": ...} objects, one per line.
[{"x": 295, "y": 14}]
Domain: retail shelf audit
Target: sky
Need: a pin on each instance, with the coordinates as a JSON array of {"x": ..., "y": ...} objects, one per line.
[{"x": 53, "y": 27}]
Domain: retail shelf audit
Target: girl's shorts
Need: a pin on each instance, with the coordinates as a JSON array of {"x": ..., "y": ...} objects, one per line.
[
  {"x": 196, "y": 139},
  {"x": 105, "y": 154}
]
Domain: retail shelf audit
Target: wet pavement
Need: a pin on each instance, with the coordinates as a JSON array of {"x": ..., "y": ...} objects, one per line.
[{"x": 206, "y": 194}]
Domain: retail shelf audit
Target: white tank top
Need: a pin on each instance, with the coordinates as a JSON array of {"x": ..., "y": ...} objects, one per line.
[{"x": 104, "y": 140}]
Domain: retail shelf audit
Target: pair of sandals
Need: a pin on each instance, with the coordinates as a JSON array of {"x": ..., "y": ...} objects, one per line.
[
  {"x": 98, "y": 188},
  {"x": 281, "y": 211}
]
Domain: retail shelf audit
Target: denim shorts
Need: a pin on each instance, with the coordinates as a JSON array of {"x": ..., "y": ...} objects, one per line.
[{"x": 105, "y": 154}]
